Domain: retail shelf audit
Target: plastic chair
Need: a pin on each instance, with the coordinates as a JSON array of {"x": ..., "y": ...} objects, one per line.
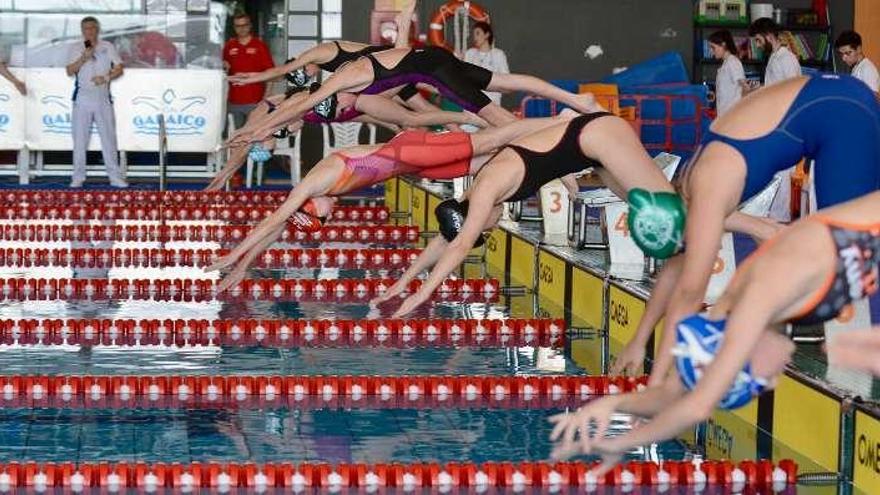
[
  {"x": 282, "y": 148},
  {"x": 345, "y": 135}
]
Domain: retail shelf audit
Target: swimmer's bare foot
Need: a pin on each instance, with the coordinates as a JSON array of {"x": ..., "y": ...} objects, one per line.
[
  {"x": 586, "y": 103},
  {"x": 567, "y": 114}
]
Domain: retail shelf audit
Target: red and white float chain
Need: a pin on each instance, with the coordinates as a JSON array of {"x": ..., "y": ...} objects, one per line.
[
  {"x": 42, "y": 289},
  {"x": 384, "y": 234},
  {"x": 283, "y": 333},
  {"x": 152, "y": 212},
  {"x": 753, "y": 476},
  {"x": 200, "y": 258}
]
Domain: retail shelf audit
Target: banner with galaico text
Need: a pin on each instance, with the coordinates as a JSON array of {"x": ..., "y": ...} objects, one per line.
[
  {"x": 11, "y": 114},
  {"x": 192, "y": 101}
]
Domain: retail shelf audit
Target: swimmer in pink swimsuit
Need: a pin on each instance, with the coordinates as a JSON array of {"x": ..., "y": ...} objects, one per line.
[{"x": 428, "y": 155}]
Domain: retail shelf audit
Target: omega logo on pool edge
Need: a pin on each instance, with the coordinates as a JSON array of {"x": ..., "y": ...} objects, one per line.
[{"x": 869, "y": 453}]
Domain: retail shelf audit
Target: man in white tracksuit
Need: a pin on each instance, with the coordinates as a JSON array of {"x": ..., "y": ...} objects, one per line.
[{"x": 94, "y": 63}]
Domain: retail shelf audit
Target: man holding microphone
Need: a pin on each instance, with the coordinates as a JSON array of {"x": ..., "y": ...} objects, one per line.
[{"x": 94, "y": 63}]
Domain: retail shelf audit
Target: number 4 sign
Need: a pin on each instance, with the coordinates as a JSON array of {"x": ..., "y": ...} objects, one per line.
[{"x": 627, "y": 260}]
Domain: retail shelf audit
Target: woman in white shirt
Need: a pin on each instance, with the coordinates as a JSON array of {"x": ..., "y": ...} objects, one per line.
[
  {"x": 728, "y": 82},
  {"x": 486, "y": 55}
]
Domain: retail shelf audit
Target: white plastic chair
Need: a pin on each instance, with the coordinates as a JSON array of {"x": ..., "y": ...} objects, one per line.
[
  {"x": 282, "y": 148},
  {"x": 345, "y": 134}
]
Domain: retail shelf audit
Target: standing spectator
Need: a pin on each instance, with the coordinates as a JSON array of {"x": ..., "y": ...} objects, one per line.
[
  {"x": 782, "y": 63},
  {"x": 849, "y": 45},
  {"x": 728, "y": 82},
  {"x": 486, "y": 55},
  {"x": 19, "y": 85},
  {"x": 245, "y": 53},
  {"x": 94, "y": 63}
]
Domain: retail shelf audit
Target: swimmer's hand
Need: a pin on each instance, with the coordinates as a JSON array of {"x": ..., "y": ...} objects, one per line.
[
  {"x": 232, "y": 278},
  {"x": 220, "y": 179},
  {"x": 247, "y": 136},
  {"x": 243, "y": 78},
  {"x": 222, "y": 264},
  {"x": 630, "y": 361},
  {"x": 571, "y": 431},
  {"x": 410, "y": 304},
  {"x": 393, "y": 291},
  {"x": 477, "y": 121}
]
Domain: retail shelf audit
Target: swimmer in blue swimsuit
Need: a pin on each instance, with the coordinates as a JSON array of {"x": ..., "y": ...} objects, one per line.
[
  {"x": 809, "y": 272},
  {"x": 832, "y": 120}
]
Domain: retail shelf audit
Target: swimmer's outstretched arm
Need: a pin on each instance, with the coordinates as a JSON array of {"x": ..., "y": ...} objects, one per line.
[
  {"x": 238, "y": 157},
  {"x": 747, "y": 320},
  {"x": 568, "y": 426},
  {"x": 482, "y": 213},
  {"x": 316, "y": 183},
  {"x": 760, "y": 229},
  {"x": 705, "y": 226},
  {"x": 632, "y": 357},
  {"x": 425, "y": 261},
  {"x": 313, "y": 55},
  {"x": 355, "y": 75},
  {"x": 388, "y": 110},
  {"x": 264, "y": 234}
]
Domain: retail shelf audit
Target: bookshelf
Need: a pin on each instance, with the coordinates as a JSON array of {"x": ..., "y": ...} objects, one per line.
[{"x": 813, "y": 46}]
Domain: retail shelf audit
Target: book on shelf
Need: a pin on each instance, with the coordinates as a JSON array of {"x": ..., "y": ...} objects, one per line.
[{"x": 798, "y": 43}]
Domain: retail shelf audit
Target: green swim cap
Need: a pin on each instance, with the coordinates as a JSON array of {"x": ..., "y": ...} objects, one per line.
[{"x": 656, "y": 222}]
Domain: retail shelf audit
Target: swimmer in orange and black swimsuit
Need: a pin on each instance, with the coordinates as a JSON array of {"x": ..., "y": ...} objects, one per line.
[
  {"x": 809, "y": 273},
  {"x": 424, "y": 154}
]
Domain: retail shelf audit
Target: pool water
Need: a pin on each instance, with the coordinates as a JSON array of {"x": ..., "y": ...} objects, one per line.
[{"x": 312, "y": 430}]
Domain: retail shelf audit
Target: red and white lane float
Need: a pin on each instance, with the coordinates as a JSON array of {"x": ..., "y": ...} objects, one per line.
[
  {"x": 366, "y": 234},
  {"x": 43, "y": 197},
  {"x": 342, "y": 290},
  {"x": 284, "y": 333},
  {"x": 208, "y": 388},
  {"x": 153, "y": 212},
  {"x": 95, "y": 400},
  {"x": 380, "y": 258},
  {"x": 754, "y": 476}
]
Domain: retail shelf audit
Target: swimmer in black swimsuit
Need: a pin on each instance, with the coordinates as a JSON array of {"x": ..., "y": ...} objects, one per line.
[
  {"x": 600, "y": 140},
  {"x": 389, "y": 112},
  {"x": 432, "y": 66},
  {"x": 809, "y": 272}
]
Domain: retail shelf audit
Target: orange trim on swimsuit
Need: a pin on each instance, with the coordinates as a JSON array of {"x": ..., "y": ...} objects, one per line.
[{"x": 816, "y": 299}]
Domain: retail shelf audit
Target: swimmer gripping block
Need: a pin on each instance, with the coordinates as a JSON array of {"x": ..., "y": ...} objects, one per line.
[
  {"x": 259, "y": 154},
  {"x": 656, "y": 222},
  {"x": 450, "y": 217},
  {"x": 698, "y": 340}
]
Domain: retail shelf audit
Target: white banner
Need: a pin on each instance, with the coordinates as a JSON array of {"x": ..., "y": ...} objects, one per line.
[
  {"x": 48, "y": 111},
  {"x": 192, "y": 101},
  {"x": 11, "y": 114}
]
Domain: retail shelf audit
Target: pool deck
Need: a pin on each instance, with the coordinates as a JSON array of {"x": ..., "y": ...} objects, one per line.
[{"x": 821, "y": 416}]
